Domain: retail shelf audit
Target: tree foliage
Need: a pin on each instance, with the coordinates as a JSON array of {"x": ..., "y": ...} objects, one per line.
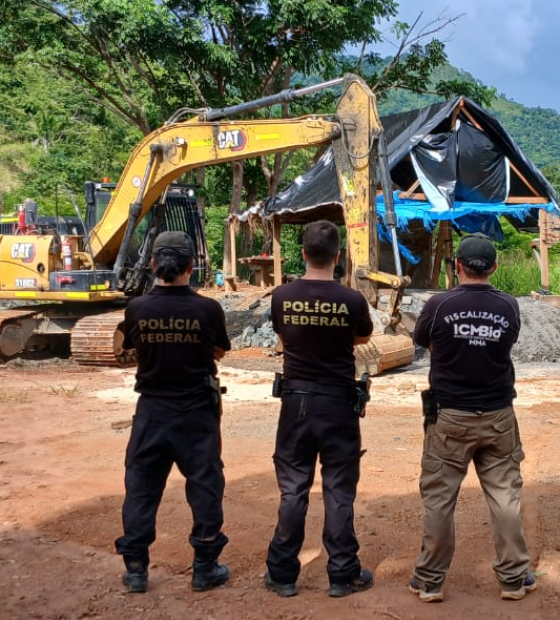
[
  {"x": 82, "y": 80},
  {"x": 142, "y": 59}
]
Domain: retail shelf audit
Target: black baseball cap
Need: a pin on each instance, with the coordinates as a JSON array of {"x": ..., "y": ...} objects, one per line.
[
  {"x": 476, "y": 252},
  {"x": 174, "y": 240}
]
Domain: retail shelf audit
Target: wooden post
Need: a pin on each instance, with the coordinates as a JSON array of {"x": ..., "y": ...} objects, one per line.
[
  {"x": 231, "y": 278},
  {"x": 277, "y": 249},
  {"x": 437, "y": 258},
  {"x": 444, "y": 249},
  {"x": 233, "y": 250},
  {"x": 545, "y": 280},
  {"x": 543, "y": 249},
  {"x": 348, "y": 276},
  {"x": 448, "y": 253}
]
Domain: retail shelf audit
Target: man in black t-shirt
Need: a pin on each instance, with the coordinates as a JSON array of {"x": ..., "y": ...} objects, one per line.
[
  {"x": 177, "y": 335},
  {"x": 319, "y": 322},
  {"x": 470, "y": 332}
]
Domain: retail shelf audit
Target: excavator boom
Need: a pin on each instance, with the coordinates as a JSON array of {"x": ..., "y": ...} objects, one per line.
[{"x": 170, "y": 151}]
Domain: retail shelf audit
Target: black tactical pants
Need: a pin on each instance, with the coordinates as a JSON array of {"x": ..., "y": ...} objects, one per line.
[
  {"x": 311, "y": 426},
  {"x": 167, "y": 431}
]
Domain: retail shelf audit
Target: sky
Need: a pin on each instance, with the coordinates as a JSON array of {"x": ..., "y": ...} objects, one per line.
[{"x": 510, "y": 44}]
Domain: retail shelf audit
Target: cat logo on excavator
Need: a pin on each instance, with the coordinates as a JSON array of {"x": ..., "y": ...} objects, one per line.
[
  {"x": 234, "y": 139},
  {"x": 25, "y": 252}
]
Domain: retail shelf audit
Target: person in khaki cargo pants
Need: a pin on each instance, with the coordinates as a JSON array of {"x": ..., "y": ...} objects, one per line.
[{"x": 470, "y": 331}]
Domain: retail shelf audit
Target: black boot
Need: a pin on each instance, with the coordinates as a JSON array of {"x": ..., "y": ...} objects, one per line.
[
  {"x": 208, "y": 575},
  {"x": 363, "y": 581},
  {"x": 136, "y": 576}
]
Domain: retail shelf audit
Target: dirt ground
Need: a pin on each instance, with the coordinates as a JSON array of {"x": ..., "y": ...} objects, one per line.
[{"x": 63, "y": 432}]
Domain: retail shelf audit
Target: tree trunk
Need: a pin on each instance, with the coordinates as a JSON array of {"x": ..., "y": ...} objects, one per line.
[{"x": 234, "y": 207}]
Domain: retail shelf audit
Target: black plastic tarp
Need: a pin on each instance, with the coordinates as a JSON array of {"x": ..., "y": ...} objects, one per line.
[{"x": 465, "y": 162}]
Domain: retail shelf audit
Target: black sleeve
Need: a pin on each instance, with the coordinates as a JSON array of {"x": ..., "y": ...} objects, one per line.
[
  {"x": 517, "y": 313},
  {"x": 364, "y": 324},
  {"x": 222, "y": 339},
  {"x": 423, "y": 327},
  {"x": 274, "y": 313},
  {"x": 127, "y": 325}
]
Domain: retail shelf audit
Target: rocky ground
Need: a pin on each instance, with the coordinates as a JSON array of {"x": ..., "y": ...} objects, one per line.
[{"x": 248, "y": 317}]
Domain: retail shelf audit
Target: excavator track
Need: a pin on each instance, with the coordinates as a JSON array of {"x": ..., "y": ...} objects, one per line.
[
  {"x": 384, "y": 351},
  {"x": 97, "y": 340},
  {"x": 12, "y": 333}
]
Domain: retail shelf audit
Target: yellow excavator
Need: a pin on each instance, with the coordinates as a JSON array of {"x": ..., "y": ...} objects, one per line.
[{"x": 79, "y": 284}]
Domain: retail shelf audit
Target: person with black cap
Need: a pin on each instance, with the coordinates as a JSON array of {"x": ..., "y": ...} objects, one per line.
[
  {"x": 470, "y": 332},
  {"x": 178, "y": 335}
]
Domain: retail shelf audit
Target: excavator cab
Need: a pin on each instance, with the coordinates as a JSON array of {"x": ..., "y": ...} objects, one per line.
[{"x": 180, "y": 212}]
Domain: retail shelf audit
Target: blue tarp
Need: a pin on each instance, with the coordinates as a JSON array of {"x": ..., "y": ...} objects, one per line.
[{"x": 468, "y": 216}]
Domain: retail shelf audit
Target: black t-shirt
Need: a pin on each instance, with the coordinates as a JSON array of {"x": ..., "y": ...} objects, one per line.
[
  {"x": 174, "y": 331},
  {"x": 318, "y": 321},
  {"x": 471, "y": 330}
]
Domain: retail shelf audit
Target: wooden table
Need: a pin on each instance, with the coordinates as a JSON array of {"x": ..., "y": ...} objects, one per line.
[{"x": 262, "y": 267}]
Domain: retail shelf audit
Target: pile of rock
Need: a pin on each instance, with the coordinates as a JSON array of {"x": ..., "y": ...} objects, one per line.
[
  {"x": 539, "y": 340},
  {"x": 262, "y": 336}
]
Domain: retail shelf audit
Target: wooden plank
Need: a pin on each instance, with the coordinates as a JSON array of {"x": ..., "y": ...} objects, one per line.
[
  {"x": 472, "y": 119},
  {"x": 230, "y": 284},
  {"x": 518, "y": 173},
  {"x": 455, "y": 114},
  {"x": 533, "y": 200},
  {"x": 248, "y": 299},
  {"x": 277, "y": 249},
  {"x": 553, "y": 300},
  {"x": 410, "y": 190},
  {"x": 417, "y": 196},
  {"x": 438, "y": 256}
]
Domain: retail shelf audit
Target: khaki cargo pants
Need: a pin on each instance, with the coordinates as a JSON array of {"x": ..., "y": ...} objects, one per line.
[{"x": 491, "y": 441}]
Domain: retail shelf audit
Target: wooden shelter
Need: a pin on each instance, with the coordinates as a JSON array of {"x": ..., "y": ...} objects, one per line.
[{"x": 453, "y": 167}]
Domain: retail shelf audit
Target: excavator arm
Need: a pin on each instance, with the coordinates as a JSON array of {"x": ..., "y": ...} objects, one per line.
[{"x": 174, "y": 149}]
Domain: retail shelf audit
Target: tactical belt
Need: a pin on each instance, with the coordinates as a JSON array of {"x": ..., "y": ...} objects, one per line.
[
  {"x": 298, "y": 386},
  {"x": 471, "y": 409}
]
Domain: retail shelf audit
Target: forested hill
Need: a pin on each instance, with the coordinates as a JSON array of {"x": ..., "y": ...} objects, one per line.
[{"x": 536, "y": 130}]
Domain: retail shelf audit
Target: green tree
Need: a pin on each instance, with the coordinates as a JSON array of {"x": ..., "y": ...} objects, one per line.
[{"x": 140, "y": 60}]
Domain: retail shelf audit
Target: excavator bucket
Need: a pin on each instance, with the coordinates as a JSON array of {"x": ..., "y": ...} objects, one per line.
[{"x": 384, "y": 351}]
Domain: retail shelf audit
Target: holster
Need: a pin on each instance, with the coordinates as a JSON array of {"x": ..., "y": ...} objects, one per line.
[
  {"x": 429, "y": 408},
  {"x": 278, "y": 385},
  {"x": 216, "y": 391},
  {"x": 362, "y": 394}
]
